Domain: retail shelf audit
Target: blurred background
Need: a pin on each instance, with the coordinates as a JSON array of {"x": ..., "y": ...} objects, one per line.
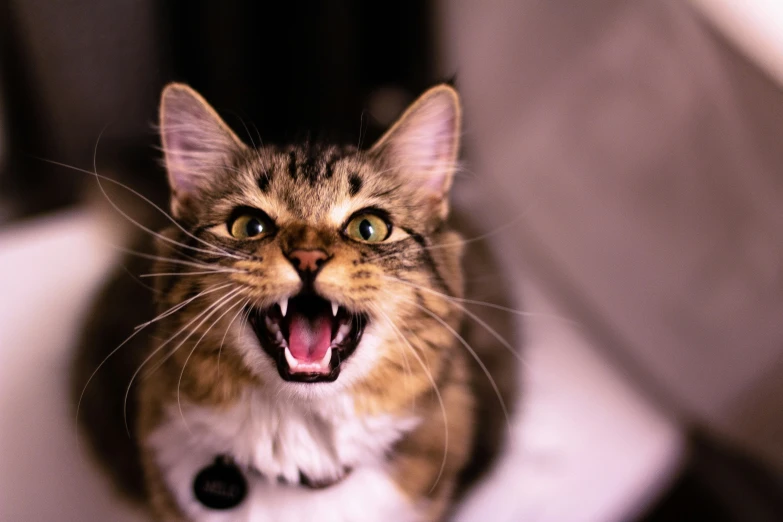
[{"x": 624, "y": 157}]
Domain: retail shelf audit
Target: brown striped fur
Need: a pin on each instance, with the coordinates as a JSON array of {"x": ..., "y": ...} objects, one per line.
[{"x": 309, "y": 190}]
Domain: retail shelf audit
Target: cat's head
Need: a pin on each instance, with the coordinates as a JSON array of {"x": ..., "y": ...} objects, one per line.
[{"x": 314, "y": 267}]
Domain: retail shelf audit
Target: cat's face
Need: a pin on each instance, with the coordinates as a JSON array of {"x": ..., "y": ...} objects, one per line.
[{"x": 322, "y": 256}]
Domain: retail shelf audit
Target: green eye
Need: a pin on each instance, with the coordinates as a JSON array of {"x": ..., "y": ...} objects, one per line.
[
  {"x": 368, "y": 227},
  {"x": 247, "y": 226}
]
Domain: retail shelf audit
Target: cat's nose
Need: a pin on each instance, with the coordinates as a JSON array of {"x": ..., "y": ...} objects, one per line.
[{"x": 308, "y": 262}]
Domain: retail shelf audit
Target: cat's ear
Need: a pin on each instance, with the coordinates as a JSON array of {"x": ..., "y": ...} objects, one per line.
[
  {"x": 197, "y": 143},
  {"x": 422, "y": 146}
]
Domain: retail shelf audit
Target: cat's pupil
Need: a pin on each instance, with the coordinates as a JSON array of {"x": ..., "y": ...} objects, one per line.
[
  {"x": 366, "y": 229},
  {"x": 254, "y": 227}
]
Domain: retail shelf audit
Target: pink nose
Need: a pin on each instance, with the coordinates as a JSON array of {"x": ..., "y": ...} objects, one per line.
[{"x": 308, "y": 260}]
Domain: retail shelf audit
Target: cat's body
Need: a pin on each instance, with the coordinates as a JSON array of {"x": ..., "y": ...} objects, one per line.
[
  {"x": 307, "y": 328},
  {"x": 293, "y": 450}
]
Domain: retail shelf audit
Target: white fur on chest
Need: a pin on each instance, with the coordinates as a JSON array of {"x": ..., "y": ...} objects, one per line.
[{"x": 282, "y": 439}]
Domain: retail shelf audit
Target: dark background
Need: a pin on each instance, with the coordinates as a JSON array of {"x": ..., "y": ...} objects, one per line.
[{"x": 74, "y": 71}]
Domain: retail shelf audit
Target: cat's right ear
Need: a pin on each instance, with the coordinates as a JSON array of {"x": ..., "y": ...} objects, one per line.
[{"x": 197, "y": 143}]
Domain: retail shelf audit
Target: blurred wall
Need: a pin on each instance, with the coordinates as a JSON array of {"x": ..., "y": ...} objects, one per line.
[
  {"x": 643, "y": 156},
  {"x": 90, "y": 65},
  {"x": 72, "y": 72}
]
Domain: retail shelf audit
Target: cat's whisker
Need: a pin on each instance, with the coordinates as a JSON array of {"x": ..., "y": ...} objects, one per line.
[
  {"x": 174, "y": 251},
  {"x": 228, "y": 328},
  {"x": 244, "y": 320},
  {"x": 174, "y": 309},
  {"x": 203, "y": 272},
  {"x": 473, "y": 353},
  {"x": 258, "y": 134},
  {"x": 413, "y": 169},
  {"x": 138, "y": 280},
  {"x": 159, "y": 348},
  {"x": 486, "y": 304},
  {"x": 437, "y": 394},
  {"x": 502, "y": 340},
  {"x": 158, "y": 235},
  {"x": 247, "y": 131},
  {"x": 404, "y": 356},
  {"x": 221, "y": 300},
  {"x": 462, "y": 242},
  {"x": 206, "y": 259},
  {"x": 99, "y": 177},
  {"x": 136, "y": 331},
  {"x": 163, "y": 259},
  {"x": 361, "y": 128},
  {"x": 192, "y": 351},
  {"x": 205, "y": 164}
]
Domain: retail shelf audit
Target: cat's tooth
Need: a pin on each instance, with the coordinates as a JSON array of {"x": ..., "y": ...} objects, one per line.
[
  {"x": 289, "y": 357},
  {"x": 283, "y": 305},
  {"x": 335, "y": 307},
  {"x": 341, "y": 333},
  {"x": 327, "y": 357}
]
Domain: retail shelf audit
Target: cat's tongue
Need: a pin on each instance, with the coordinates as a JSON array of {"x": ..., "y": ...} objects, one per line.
[{"x": 309, "y": 339}]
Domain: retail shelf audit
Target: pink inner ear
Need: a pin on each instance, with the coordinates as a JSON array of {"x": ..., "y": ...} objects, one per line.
[
  {"x": 196, "y": 142},
  {"x": 180, "y": 156},
  {"x": 425, "y": 141}
]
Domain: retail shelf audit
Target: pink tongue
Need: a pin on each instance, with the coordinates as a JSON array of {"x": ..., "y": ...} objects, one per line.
[{"x": 309, "y": 340}]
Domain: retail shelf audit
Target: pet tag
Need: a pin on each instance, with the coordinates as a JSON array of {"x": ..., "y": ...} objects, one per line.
[{"x": 220, "y": 485}]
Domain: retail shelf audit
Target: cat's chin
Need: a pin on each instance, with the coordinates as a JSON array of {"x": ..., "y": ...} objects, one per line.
[{"x": 308, "y": 338}]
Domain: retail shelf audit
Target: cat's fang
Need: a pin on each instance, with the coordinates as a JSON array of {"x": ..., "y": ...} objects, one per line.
[
  {"x": 342, "y": 332},
  {"x": 322, "y": 341},
  {"x": 327, "y": 359},
  {"x": 290, "y": 359}
]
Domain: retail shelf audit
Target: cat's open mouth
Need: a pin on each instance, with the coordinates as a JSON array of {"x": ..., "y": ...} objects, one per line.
[{"x": 308, "y": 337}]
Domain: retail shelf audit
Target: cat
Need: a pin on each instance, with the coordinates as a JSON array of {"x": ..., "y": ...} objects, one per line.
[{"x": 306, "y": 362}]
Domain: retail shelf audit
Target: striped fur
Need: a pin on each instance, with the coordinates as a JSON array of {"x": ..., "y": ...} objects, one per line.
[{"x": 400, "y": 415}]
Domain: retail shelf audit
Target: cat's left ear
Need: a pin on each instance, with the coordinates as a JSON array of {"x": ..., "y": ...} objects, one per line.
[
  {"x": 423, "y": 145},
  {"x": 197, "y": 143}
]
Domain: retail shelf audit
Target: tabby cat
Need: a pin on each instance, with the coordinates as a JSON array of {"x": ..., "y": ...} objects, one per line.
[{"x": 306, "y": 363}]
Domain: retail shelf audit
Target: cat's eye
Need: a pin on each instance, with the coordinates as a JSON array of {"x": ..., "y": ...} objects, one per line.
[
  {"x": 368, "y": 227},
  {"x": 250, "y": 225}
]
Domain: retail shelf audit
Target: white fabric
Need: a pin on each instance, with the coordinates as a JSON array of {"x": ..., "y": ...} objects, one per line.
[
  {"x": 48, "y": 272},
  {"x": 756, "y": 26}
]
